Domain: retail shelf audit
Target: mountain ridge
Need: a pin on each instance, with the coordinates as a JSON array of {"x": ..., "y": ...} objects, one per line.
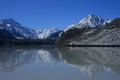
[
  {"x": 20, "y": 32},
  {"x": 106, "y": 35},
  {"x": 91, "y": 30}
]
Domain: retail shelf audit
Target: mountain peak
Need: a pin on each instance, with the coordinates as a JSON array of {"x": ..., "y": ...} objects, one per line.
[
  {"x": 16, "y": 29},
  {"x": 53, "y": 29},
  {"x": 90, "y": 21},
  {"x": 91, "y": 15},
  {"x": 91, "y": 18},
  {"x": 11, "y": 22}
]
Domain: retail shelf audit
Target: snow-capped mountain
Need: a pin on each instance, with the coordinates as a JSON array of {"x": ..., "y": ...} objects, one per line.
[
  {"x": 46, "y": 33},
  {"x": 90, "y": 21},
  {"x": 16, "y": 29},
  {"x": 107, "y": 35},
  {"x": 20, "y": 32}
]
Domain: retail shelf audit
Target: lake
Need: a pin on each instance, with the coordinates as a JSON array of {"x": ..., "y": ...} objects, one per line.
[{"x": 59, "y": 63}]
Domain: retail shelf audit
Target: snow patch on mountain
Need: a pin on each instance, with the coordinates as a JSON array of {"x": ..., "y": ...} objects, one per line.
[
  {"x": 1, "y": 22},
  {"x": 8, "y": 25}
]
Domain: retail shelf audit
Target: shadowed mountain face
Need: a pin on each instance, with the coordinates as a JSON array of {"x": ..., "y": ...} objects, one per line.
[
  {"x": 107, "y": 35},
  {"x": 5, "y": 35},
  {"x": 91, "y": 61},
  {"x": 114, "y": 24}
]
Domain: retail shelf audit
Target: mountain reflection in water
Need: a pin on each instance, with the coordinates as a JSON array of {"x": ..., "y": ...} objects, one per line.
[{"x": 91, "y": 61}]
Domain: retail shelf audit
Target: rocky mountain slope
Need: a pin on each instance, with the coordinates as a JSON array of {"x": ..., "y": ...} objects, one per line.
[{"x": 107, "y": 34}]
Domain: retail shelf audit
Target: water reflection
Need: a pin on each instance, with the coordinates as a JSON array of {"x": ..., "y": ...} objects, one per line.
[
  {"x": 91, "y": 61},
  {"x": 12, "y": 58}
]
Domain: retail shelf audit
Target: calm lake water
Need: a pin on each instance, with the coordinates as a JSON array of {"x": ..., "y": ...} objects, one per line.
[{"x": 59, "y": 63}]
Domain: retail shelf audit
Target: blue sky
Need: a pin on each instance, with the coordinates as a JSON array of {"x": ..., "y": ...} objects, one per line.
[{"x": 56, "y": 13}]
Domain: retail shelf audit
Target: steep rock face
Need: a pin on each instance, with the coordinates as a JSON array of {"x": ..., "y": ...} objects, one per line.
[{"x": 107, "y": 35}]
